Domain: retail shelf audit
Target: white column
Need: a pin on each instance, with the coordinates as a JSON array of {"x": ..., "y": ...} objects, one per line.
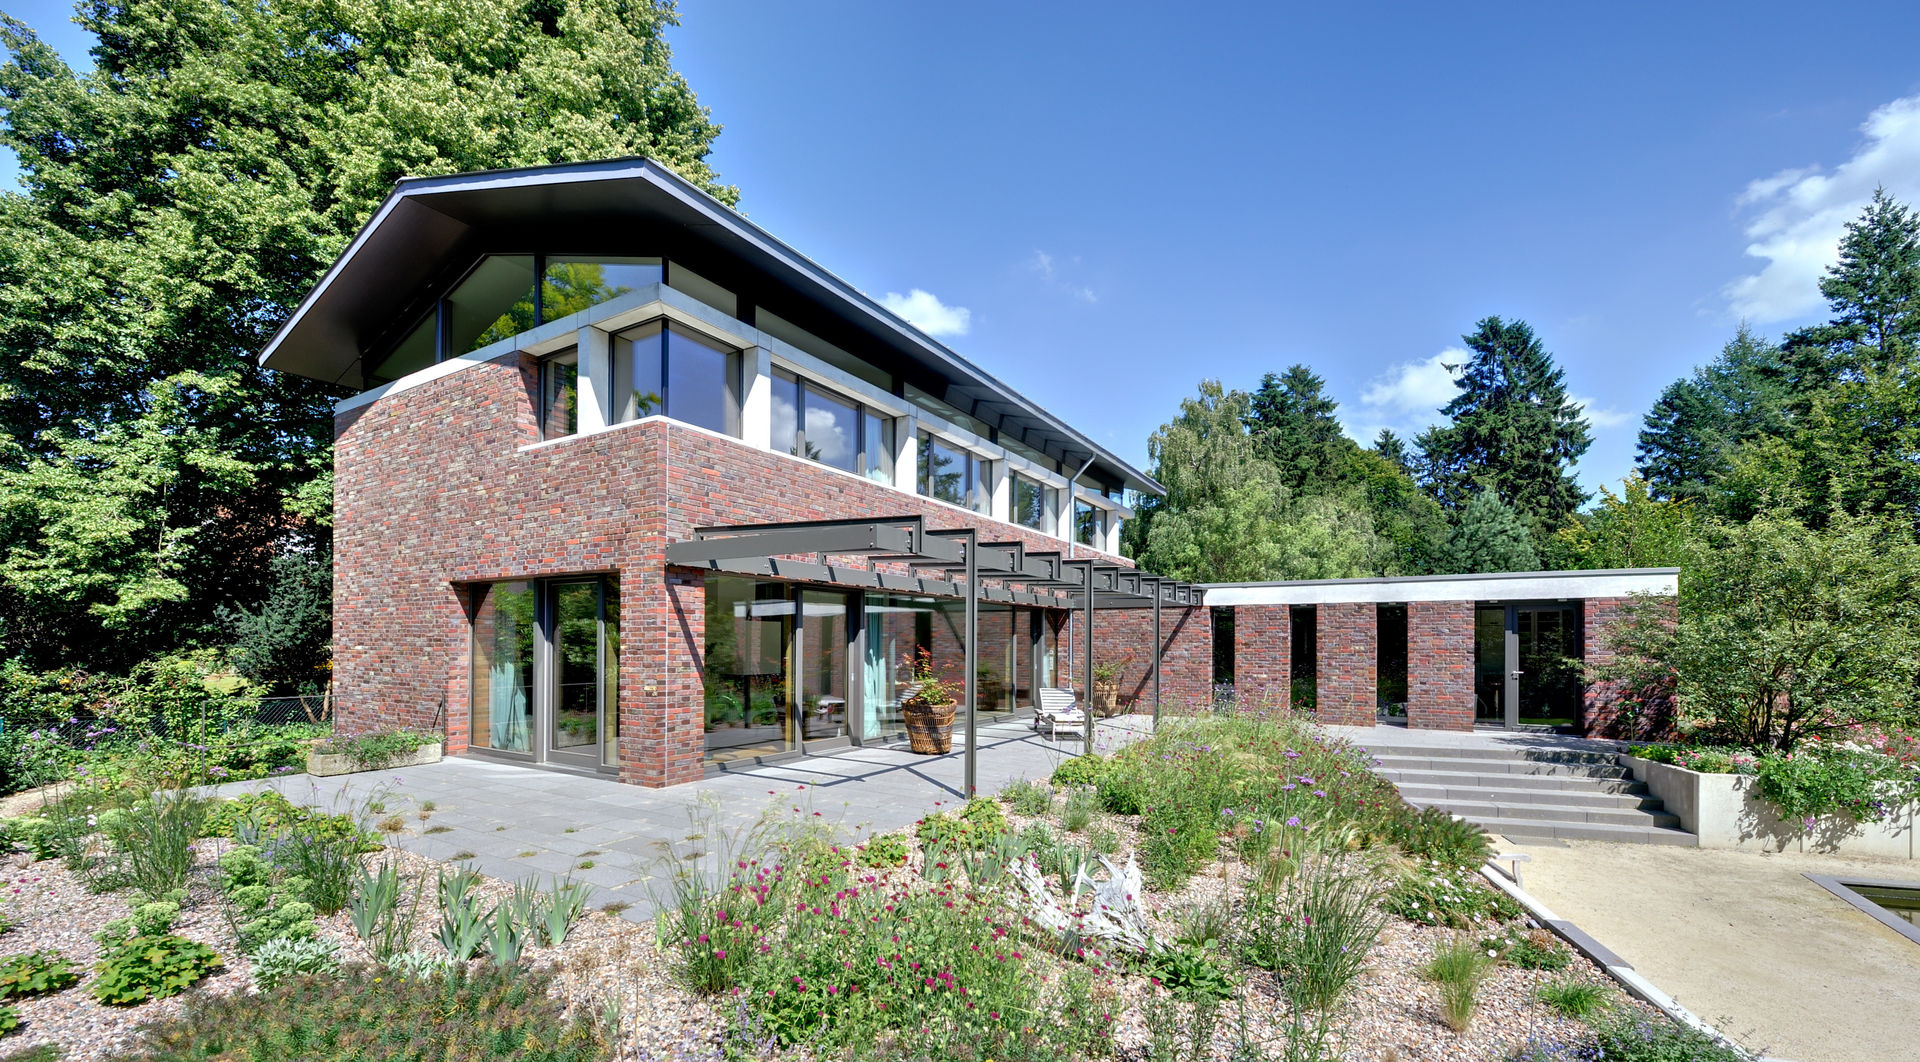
[
  {"x": 596, "y": 379},
  {"x": 906, "y": 453},
  {"x": 1002, "y": 503},
  {"x": 1113, "y": 532},
  {"x": 756, "y": 404}
]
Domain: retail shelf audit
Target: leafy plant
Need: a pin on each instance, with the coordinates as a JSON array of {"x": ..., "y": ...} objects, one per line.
[
  {"x": 419, "y": 965},
  {"x": 563, "y": 907},
  {"x": 35, "y": 973},
  {"x": 153, "y": 919},
  {"x": 1440, "y": 896},
  {"x": 1626, "y": 1036},
  {"x": 463, "y": 928},
  {"x": 327, "y": 865},
  {"x": 976, "y": 826},
  {"x": 504, "y": 937},
  {"x": 1816, "y": 782},
  {"x": 884, "y": 850},
  {"x": 1028, "y": 798},
  {"x": 1574, "y": 998},
  {"x": 277, "y": 960},
  {"x": 1535, "y": 949},
  {"x": 258, "y": 903},
  {"x": 380, "y": 750},
  {"x": 362, "y": 1013},
  {"x": 1078, "y": 811},
  {"x": 376, "y": 913},
  {"x": 1194, "y": 973},
  {"x": 1459, "y": 966},
  {"x": 1435, "y": 834},
  {"x": 144, "y": 968},
  {"x": 9, "y": 1018},
  {"x": 1079, "y": 770}
]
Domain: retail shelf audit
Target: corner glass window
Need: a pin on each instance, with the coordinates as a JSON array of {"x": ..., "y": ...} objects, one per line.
[
  {"x": 560, "y": 395},
  {"x": 833, "y": 431},
  {"x": 944, "y": 471},
  {"x": 786, "y": 414},
  {"x": 493, "y": 303},
  {"x": 812, "y": 422},
  {"x": 1030, "y": 503},
  {"x": 665, "y": 370},
  {"x": 410, "y": 355},
  {"x": 1089, "y": 524},
  {"x": 569, "y": 285}
]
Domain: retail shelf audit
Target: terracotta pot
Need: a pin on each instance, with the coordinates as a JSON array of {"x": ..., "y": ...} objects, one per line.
[{"x": 929, "y": 727}]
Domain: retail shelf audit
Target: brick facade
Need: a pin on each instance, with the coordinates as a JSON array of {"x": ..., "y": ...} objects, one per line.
[
  {"x": 1124, "y": 636},
  {"x": 1349, "y": 664},
  {"x": 1440, "y": 665},
  {"x": 446, "y": 484},
  {"x": 1263, "y": 654},
  {"x": 1610, "y": 709}
]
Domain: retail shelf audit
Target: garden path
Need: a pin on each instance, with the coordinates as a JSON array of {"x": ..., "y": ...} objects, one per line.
[{"x": 513, "y": 822}]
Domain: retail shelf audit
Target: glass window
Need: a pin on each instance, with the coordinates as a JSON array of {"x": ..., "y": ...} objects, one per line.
[
  {"x": 503, "y": 639},
  {"x": 415, "y": 352},
  {"x": 786, "y": 413},
  {"x": 749, "y": 629},
  {"x": 1030, "y": 503},
  {"x": 823, "y": 664},
  {"x": 493, "y": 303},
  {"x": 665, "y": 370},
  {"x": 876, "y": 441},
  {"x": 1223, "y": 658},
  {"x": 569, "y": 285},
  {"x": 559, "y": 395},
  {"x": 833, "y": 431},
  {"x": 1390, "y": 666},
  {"x": 1304, "y": 658},
  {"x": 686, "y": 280},
  {"x": 1089, "y": 524},
  {"x": 945, "y": 473}
]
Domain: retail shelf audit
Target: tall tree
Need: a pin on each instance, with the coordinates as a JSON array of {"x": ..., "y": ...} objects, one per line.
[
  {"x": 1689, "y": 435},
  {"x": 1219, "y": 519},
  {"x": 1631, "y": 529},
  {"x": 1489, "y": 538},
  {"x": 180, "y": 196},
  {"x": 1394, "y": 449},
  {"x": 1514, "y": 430},
  {"x": 1291, "y": 420}
]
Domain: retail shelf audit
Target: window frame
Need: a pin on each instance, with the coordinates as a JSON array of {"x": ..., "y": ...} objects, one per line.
[
  {"x": 976, "y": 478},
  {"x": 661, "y": 327},
  {"x": 864, "y": 447}
]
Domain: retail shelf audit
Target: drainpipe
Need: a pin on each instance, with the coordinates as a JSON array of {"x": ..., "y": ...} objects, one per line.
[{"x": 1086, "y": 745}]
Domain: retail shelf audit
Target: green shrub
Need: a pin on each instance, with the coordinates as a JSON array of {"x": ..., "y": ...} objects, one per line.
[
  {"x": 1444, "y": 896},
  {"x": 144, "y": 968},
  {"x": 976, "y": 826},
  {"x": 378, "y": 751},
  {"x": 34, "y": 834},
  {"x": 363, "y": 1013},
  {"x": 152, "y": 841},
  {"x": 1630, "y": 1037},
  {"x": 259, "y": 905},
  {"x": 1028, "y": 798},
  {"x": 1533, "y": 950},
  {"x": 277, "y": 961},
  {"x": 1432, "y": 833},
  {"x": 1079, "y": 770},
  {"x": 1195, "y": 973},
  {"x": 154, "y": 919},
  {"x": 885, "y": 850},
  {"x": 9, "y": 1018},
  {"x": 35, "y": 973},
  {"x": 254, "y": 817},
  {"x": 1459, "y": 967},
  {"x": 1314, "y": 932},
  {"x": 1813, "y": 783},
  {"x": 1574, "y": 998}
]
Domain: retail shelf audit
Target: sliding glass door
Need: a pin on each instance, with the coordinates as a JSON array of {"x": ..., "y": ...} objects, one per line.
[{"x": 546, "y": 666}]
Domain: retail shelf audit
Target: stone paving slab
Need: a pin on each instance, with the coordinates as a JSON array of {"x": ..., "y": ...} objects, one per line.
[{"x": 497, "y": 811}]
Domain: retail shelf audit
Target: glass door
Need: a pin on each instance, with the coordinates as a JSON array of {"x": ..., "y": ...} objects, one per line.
[
  {"x": 573, "y": 716},
  {"x": 1527, "y": 664},
  {"x": 821, "y": 673}
]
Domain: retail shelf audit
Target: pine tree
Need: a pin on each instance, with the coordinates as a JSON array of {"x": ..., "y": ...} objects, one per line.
[
  {"x": 1490, "y": 538},
  {"x": 1514, "y": 430},
  {"x": 1692, "y": 429},
  {"x": 1292, "y": 424},
  {"x": 1394, "y": 449}
]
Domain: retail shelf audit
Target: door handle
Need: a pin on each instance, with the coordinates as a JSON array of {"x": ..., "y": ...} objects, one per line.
[{"x": 1516, "y": 674}]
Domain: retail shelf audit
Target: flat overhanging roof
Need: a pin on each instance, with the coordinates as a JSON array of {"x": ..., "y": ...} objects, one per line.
[
  {"x": 1486, "y": 586},
  {"x": 432, "y": 228}
]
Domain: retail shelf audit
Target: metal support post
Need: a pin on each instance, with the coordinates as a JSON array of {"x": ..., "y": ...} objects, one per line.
[
  {"x": 972, "y": 539},
  {"x": 1157, "y": 645}
]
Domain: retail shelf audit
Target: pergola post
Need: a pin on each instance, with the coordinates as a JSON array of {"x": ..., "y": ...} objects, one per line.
[
  {"x": 972, "y": 539},
  {"x": 1156, "y": 654},
  {"x": 1086, "y": 746}
]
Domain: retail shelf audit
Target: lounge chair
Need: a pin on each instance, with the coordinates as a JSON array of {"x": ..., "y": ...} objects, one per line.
[{"x": 1059, "y": 710}]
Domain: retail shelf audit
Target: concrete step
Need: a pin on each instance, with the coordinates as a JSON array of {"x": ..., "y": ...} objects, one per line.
[
  {"x": 1488, "y": 752},
  {"x": 1637, "y": 798},
  {"x": 1521, "y": 829},
  {"x": 1488, "y": 810},
  {"x": 1459, "y": 780},
  {"x": 1500, "y": 765}
]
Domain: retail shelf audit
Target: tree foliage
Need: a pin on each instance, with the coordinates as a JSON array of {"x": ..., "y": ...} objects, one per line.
[
  {"x": 1490, "y": 538},
  {"x": 1632, "y": 529},
  {"x": 1693, "y": 428},
  {"x": 180, "y": 196},
  {"x": 1513, "y": 430}
]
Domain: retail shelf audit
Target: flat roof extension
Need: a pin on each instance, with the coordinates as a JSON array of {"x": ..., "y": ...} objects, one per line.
[{"x": 1486, "y": 586}]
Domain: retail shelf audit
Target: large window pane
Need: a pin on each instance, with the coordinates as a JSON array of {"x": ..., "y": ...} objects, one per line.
[
  {"x": 1089, "y": 524},
  {"x": 1305, "y": 659},
  {"x": 503, "y": 641},
  {"x": 749, "y": 629},
  {"x": 559, "y": 395},
  {"x": 569, "y": 285},
  {"x": 1029, "y": 503},
  {"x": 610, "y": 670},
  {"x": 786, "y": 414},
  {"x": 896, "y": 625},
  {"x": 877, "y": 439},
  {"x": 493, "y": 303},
  {"x": 576, "y": 667},
  {"x": 823, "y": 664},
  {"x": 943, "y": 471},
  {"x": 638, "y": 389},
  {"x": 700, "y": 384},
  {"x": 833, "y": 431},
  {"x": 412, "y": 354}
]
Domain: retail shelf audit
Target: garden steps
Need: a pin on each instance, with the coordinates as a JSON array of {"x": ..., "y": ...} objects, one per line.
[{"x": 1523, "y": 793}]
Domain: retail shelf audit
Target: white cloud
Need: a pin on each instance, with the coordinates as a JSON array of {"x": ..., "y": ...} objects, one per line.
[
  {"x": 929, "y": 314},
  {"x": 1601, "y": 418},
  {"x": 1405, "y": 398},
  {"x": 1802, "y": 213},
  {"x": 1042, "y": 264}
]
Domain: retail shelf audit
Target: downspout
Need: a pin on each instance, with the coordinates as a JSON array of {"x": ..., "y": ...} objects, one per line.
[{"x": 1072, "y": 541}]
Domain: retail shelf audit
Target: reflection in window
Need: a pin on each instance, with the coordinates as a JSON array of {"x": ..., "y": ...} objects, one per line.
[
  {"x": 876, "y": 441},
  {"x": 749, "y": 628},
  {"x": 1089, "y": 524},
  {"x": 503, "y": 639},
  {"x": 569, "y": 285},
  {"x": 492, "y": 304},
  {"x": 819, "y": 425},
  {"x": 560, "y": 395},
  {"x": 666, "y": 370},
  {"x": 1030, "y": 504},
  {"x": 417, "y": 351},
  {"x": 786, "y": 414},
  {"x": 953, "y": 475},
  {"x": 833, "y": 431}
]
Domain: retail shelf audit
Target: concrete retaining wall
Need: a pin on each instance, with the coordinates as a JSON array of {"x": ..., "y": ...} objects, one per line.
[{"x": 1727, "y": 811}]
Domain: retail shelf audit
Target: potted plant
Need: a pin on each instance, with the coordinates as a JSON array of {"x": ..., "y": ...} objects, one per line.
[
  {"x": 1106, "y": 688},
  {"x": 928, "y": 709}
]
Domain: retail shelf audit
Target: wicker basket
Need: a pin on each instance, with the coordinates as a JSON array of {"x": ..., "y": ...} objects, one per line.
[{"x": 929, "y": 727}]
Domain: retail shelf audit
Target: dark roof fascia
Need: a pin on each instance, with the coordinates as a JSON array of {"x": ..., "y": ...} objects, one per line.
[{"x": 959, "y": 368}]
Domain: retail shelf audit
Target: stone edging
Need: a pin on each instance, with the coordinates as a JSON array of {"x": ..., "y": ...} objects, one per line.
[{"x": 1616, "y": 967}]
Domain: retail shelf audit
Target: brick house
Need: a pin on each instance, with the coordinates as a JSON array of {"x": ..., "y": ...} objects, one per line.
[{"x": 629, "y": 486}]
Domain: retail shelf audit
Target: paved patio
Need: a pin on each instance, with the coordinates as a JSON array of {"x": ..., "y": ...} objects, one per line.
[{"x": 513, "y": 822}]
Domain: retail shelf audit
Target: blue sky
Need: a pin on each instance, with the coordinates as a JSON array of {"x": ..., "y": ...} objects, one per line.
[{"x": 1115, "y": 201}]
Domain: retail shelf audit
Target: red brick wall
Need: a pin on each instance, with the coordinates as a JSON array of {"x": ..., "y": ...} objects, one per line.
[
  {"x": 1349, "y": 664},
  {"x": 1263, "y": 654},
  {"x": 1440, "y": 665},
  {"x": 433, "y": 490},
  {"x": 1125, "y": 636},
  {"x": 1610, "y": 709}
]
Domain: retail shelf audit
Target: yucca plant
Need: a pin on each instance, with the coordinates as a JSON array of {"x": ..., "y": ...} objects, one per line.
[
  {"x": 463, "y": 928},
  {"x": 504, "y": 938},
  {"x": 564, "y": 906}
]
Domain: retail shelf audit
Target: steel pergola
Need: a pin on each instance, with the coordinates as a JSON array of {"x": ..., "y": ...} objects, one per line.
[{"x": 960, "y": 566}]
